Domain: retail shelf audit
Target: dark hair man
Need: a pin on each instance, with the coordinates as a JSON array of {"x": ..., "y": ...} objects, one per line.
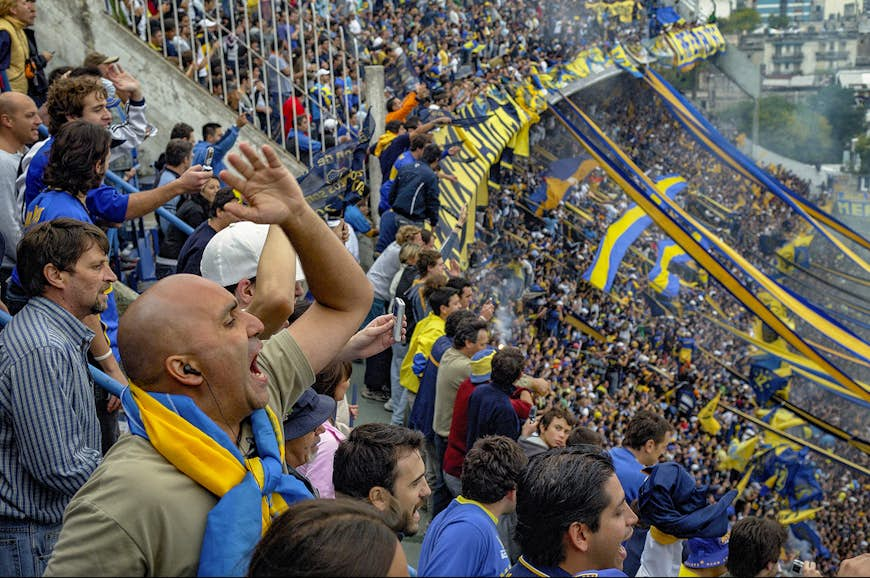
[
  {"x": 489, "y": 408},
  {"x": 190, "y": 255},
  {"x": 463, "y": 540},
  {"x": 572, "y": 515},
  {"x": 551, "y": 431},
  {"x": 177, "y": 159},
  {"x": 214, "y": 137},
  {"x": 383, "y": 464},
  {"x": 47, "y": 419},
  {"x": 76, "y": 167},
  {"x": 755, "y": 546},
  {"x": 646, "y": 438}
]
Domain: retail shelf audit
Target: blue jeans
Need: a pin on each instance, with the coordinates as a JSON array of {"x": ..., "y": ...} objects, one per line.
[
  {"x": 454, "y": 484},
  {"x": 399, "y": 351},
  {"x": 25, "y": 547},
  {"x": 406, "y": 402},
  {"x": 441, "y": 496}
]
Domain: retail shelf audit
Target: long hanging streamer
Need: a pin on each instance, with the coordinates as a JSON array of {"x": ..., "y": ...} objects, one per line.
[
  {"x": 808, "y": 311},
  {"x": 699, "y": 127},
  {"x": 651, "y": 201}
]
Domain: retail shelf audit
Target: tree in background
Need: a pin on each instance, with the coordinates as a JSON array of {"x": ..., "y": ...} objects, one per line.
[
  {"x": 845, "y": 116},
  {"x": 814, "y": 131},
  {"x": 742, "y": 20}
]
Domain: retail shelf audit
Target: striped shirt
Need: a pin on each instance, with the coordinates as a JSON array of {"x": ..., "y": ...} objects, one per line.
[{"x": 49, "y": 433}]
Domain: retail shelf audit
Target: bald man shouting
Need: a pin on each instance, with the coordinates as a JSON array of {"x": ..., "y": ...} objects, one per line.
[{"x": 202, "y": 476}]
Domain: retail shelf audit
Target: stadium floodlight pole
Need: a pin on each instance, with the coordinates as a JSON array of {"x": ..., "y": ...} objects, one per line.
[
  {"x": 304, "y": 68},
  {"x": 293, "y": 87},
  {"x": 344, "y": 79}
]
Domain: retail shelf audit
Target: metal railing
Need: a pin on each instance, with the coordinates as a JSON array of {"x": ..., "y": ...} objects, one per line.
[{"x": 220, "y": 49}]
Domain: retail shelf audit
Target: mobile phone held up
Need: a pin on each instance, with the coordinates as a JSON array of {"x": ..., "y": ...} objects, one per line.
[
  {"x": 398, "y": 311},
  {"x": 209, "y": 156},
  {"x": 533, "y": 413}
]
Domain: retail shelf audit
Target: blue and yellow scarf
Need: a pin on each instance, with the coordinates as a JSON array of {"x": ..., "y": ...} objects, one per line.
[{"x": 201, "y": 450}]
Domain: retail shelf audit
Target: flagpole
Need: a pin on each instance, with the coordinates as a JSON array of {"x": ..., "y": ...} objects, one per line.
[{"x": 796, "y": 440}]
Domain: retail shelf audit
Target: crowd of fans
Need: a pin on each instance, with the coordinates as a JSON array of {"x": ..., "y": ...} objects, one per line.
[
  {"x": 280, "y": 61},
  {"x": 491, "y": 420}
]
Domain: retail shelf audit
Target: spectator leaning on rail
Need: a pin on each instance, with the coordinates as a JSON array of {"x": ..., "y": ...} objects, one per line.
[{"x": 414, "y": 196}]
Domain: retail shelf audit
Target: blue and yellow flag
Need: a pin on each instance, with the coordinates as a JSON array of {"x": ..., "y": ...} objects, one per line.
[
  {"x": 686, "y": 350},
  {"x": 767, "y": 376},
  {"x": 707, "y": 416},
  {"x": 675, "y": 222},
  {"x": 622, "y": 233},
  {"x": 796, "y": 251},
  {"x": 561, "y": 175},
  {"x": 660, "y": 277},
  {"x": 740, "y": 453},
  {"x": 806, "y": 531},
  {"x": 707, "y": 135},
  {"x": 623, "y": 60}
]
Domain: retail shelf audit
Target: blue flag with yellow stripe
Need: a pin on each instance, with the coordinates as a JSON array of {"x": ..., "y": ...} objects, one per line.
[
  {"x": 660, "y": 277},
  {"x": 622, "y": 233},
  {"x": 674, "y": 220},
  {"x": 561, "y": 175}
]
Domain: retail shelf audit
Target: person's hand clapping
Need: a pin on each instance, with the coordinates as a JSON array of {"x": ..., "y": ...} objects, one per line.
[{"x": 270, "y": 191}]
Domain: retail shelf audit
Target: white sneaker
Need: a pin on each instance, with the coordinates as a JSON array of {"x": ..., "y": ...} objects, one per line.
[{"x": 388, "y": 405}]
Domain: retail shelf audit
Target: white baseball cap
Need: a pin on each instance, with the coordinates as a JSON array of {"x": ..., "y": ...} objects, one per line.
[{"x": 234, "y": 253}]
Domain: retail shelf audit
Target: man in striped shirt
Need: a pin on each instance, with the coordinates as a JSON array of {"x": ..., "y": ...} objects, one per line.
[{"x": 49, "y": 433}]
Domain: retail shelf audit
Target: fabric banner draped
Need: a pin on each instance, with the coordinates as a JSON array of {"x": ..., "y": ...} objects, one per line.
[
  {"x": 679, "y": 226},
  {"x": 622, "y": 233}
]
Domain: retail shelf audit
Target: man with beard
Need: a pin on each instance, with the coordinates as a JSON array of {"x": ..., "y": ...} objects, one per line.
[
  {"x": 383, "y": 465},
  {"x": 572, "y": 515},
  {"x": 48, "y": 424}
]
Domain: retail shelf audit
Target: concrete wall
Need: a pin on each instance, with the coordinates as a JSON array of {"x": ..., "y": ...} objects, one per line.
[
  {"x": 761, "y": 155},
  {"x": 72, "y": 28}
]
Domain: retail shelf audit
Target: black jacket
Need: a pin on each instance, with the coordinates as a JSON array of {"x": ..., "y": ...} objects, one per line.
[{"x": 415, "y": 193}]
